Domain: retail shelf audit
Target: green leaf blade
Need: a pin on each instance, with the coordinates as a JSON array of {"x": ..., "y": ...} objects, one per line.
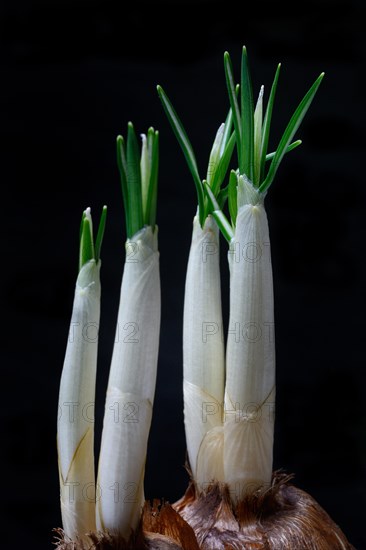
[
  {"x": 145, "y": 168},
  {"x": 247, "y": 117},
  {"x": 289, "y": 132},
  {"x": 222, "y": 196},
  {"x": 134, "y": 181},
  {"x": 122, "y": 168},
  {"x": 223, "y": 165},
  {"x": 151, "y": 203},
  {"x": 267, "y": 121},
  {"x": 291, "y": 147},
  {"x": 100, "y": 234},
  {"x": 227, "y": 131},
  {"x": 86, "y": 242},
  {"x": 186, "y": 147},
  {"x": 231, "y": 88}
]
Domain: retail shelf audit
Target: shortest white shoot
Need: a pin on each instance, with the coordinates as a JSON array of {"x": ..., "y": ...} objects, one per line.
[{"x": 75, "y": 427}]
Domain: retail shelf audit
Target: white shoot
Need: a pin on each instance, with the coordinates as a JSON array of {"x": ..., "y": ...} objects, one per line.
[
  {"x": 75, "y": 428},
  {"x": 131, "y": 387},
  {"x": 250, "y": 360},
  {"x": 203, "y": 352}
]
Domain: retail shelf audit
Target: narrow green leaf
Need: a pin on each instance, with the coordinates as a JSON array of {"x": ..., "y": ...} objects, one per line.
[
  {"x": 218, "y": 215},
  {"x": 153, "y": 150},
  {"x": 134, "y": 181},
  {"x": 227, "y": 131},
  {"x": 223, "y": 165},
  {"x": 267, "y": 121},
  {"x": 86, "y": 242},
  {"x": 145, "y": 167},
  {"x": 223, "y": 225},
  {"x": 122, "y": 168},
  {"x": 211, "y": 199},
  {"x": 233, "y": 196},
  {"x": 153, "y": 184},
  {"x": 291, "y": 147},
  {"x": 289, "y": 132},
  {"x": 100, "y": 234},
  {"x": 234, "y": 106},
  {"x": 186, "y": 147},
  {"x": 247, "y": 117},
  {"x": 222, "y": 197}
]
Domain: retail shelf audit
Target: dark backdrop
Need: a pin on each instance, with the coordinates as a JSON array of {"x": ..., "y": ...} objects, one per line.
[{"x": 73, "y": 73}]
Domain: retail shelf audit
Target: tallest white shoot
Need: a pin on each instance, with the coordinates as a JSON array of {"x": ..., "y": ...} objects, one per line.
[{"x": 250, "y": 360}]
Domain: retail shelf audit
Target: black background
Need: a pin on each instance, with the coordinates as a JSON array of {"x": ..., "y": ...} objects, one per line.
[{"x": 73, "y": 73}]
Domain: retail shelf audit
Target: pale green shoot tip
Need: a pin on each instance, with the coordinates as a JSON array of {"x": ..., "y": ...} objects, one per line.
[
  {"x": 220, "y": 156},
  {"x": 88, "y": 250}
]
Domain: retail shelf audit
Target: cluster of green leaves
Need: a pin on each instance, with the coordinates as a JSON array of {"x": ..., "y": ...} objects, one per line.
[
  {"x": 251, "y": 135},
  {"x": 89, "y": 250},
  {"x": 139, "y": 178}
]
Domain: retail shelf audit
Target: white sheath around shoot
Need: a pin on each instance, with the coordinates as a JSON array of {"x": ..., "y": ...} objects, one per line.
[
  {"x": 203, "y": 342},
  {"x": 203, "y": 349},
  {"x": 131, "y": 384},
  {"x": 75, "y": 427},
  {"x": 250, "y": 358},
  {"x": 131, "y": 388}
]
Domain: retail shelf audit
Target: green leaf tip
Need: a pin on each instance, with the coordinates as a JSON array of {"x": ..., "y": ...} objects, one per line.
[
  {"x": 232, "y": 89},
  {"x": 100, "y": 233},
  {"x": 186, "y": 147},
  {"x": 138, "y": 171},
  {"x": 289, "y": 133},
  {"x": 291, "y": 147},
  {"x": 88, "y": 251},
  {"x": 219, "y": 160}
]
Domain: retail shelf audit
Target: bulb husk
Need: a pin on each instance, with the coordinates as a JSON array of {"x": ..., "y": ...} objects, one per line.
[{"x": 282, "y": 517}]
